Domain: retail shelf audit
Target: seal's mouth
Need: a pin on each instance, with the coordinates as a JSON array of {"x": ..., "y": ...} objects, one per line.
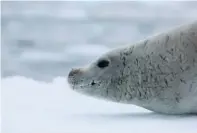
[
  {"x": 77, "y": 81},
  {"x": 76, "y": 85}
]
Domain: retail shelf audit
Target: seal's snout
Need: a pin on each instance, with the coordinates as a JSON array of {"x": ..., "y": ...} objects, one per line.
[
  {"x": 74, "y": 72},
  {"x": 72, "y": 76}
]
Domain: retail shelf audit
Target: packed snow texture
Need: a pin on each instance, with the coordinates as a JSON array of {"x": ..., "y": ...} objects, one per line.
[
  {"x": 30, "y": 106},
  {"x": 42, "y": 41}
]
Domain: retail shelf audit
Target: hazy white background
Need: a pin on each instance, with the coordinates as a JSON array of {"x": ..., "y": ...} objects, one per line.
[{"x": 42, "y": 41}]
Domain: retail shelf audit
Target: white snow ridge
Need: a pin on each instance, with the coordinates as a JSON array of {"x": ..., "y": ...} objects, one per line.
[{"x": 30, "y": 106}]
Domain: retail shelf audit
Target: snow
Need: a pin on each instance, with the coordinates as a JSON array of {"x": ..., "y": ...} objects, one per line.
[{"x": 30, "y": 106}]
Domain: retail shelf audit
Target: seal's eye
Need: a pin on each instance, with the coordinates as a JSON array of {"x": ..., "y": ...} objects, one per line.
[{"x": 103, "y": 63}]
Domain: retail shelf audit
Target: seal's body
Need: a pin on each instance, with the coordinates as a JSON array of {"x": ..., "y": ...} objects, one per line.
[{"x": 158, "y": 73}]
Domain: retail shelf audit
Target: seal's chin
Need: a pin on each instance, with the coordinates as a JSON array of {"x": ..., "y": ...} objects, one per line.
[
  {"x": 82, "y": 86},
  {"x": 83, "y": 89},
  {"x": 75, "y": 84}
]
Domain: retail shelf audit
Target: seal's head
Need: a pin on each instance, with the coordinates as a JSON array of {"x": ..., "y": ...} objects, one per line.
[{"x": 101, "y": 79}]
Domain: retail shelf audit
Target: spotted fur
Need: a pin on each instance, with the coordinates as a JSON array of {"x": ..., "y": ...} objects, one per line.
[{"x": 158, "y": 73}]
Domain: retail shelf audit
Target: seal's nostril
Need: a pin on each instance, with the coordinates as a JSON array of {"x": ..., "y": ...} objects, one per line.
[{"x": 73, "y": 72}]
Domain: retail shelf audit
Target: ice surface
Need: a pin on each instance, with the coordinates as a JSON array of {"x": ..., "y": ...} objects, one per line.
[{"x": 30, "y": 106}]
